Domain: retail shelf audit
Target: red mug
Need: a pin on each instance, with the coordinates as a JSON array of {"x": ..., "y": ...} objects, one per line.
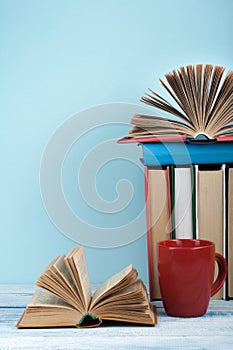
[{"x": 186, "y": 275}]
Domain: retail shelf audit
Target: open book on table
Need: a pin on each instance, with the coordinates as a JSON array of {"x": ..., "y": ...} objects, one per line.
[{"x": 66, "y": 300}]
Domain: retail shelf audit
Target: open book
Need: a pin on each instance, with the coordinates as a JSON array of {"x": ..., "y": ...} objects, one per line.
[
  {"x": 204, "y": 97},
  {"x": 66, "y": 299}
]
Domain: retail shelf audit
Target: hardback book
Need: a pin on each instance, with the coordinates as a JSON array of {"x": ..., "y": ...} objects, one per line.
[
  {"x": 66, "y": 299},
  {"x": 229, "y": 239},
  {"x": 158, "y": 208},
  {"x": 211, "y": 208},
  {"x": 183, "y": 202},
  {"x": 203, "y": 108},
  {"x": 185, "y": 153}
]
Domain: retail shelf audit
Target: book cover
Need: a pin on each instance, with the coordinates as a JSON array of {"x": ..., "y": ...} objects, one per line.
[
  {"x": 211, "y": 208},
  {"x": 183, "y": 203},
  {"x": 158, "y": 220},
  {"x": 229, "y": 238}
]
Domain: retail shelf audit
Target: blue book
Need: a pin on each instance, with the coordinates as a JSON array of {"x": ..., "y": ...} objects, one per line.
[{"x": 184, "y": 153}]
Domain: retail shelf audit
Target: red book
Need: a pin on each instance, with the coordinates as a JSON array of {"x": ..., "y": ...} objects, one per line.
[{"x": 171, "y": 138}]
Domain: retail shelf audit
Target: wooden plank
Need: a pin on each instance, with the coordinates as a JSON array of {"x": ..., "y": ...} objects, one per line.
[
  {"x": 12, "y": 295},
  {"x": 212, "y": 331},
  {"x": 188, "y": 333},
  {"x": 16, "y": 288}
]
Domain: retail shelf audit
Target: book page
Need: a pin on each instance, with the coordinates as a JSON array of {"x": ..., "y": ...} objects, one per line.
[
  {"x": 174, "y": 128},
  {"x": 129, "y": 304},
  {"x": 61, "y": 269},
  {"x": 123, "y": 296},
  {"x": 44, "y": 298},
  {"x": 46, "y": 310},
  {"x": 57, "y": 280},
  {"x": 77, "y": 266},
  {"x": 121, "y": 279}
]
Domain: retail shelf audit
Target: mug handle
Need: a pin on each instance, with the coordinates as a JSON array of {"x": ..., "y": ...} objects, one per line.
[{"x": 222, "y": 273}]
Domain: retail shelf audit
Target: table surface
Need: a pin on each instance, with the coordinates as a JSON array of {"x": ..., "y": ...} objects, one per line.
[{"x": 211, "y": 331}]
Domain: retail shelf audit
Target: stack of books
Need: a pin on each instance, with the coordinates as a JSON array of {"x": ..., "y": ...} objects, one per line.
[{"x": 189, "y": 163}]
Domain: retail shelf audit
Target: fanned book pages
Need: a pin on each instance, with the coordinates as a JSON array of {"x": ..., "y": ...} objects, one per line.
[
  {"x": 203, "y": 97},
  {"x": 66, "y": 300}
]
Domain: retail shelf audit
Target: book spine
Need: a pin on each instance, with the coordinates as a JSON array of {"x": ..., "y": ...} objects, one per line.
[
  {"x": 148, "y": 226},
  {"x": 193, "y": 184},
  {"x": 229, "y": 230},
  {"x": 196, "y": 200},
  {"x": 168, "y": 172},
  {"x": 172, "y": 191},
  {"x": 211, "y": 212},
  {"x": 183, "y": 198},
  {"x": 224, "y": 222}
]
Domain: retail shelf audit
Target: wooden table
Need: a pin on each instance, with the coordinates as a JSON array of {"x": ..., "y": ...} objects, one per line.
[{"x": 212, "y": 331}]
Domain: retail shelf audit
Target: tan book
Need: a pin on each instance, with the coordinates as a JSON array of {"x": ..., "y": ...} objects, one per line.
[
  {"x": 230, "y": 233},
  {"x": 202, "y": 97},
  {"x": 158, "y": 221},
  {"x": 210, "y": 207},
  {"x": 66, "y": 300}
]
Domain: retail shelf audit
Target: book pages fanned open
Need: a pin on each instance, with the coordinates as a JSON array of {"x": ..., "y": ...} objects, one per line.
[
  {"x": 65, "y": 298},
  {"x": 202, "y": 97}
]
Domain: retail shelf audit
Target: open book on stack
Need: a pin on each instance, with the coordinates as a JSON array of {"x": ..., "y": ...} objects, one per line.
[
  {"x": 66, "y": 300},
  {"x": 203, "y": 96}
]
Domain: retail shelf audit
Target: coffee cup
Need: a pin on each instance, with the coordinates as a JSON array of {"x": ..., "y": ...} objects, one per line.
[{"x": 186, "y": 275}]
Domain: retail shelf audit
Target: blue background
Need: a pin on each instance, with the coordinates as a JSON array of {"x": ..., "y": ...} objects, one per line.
[{"x": 60, "y": 57}]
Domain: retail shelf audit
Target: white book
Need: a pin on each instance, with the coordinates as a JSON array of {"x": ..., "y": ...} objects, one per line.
[{"x": 183, "y": 203}]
